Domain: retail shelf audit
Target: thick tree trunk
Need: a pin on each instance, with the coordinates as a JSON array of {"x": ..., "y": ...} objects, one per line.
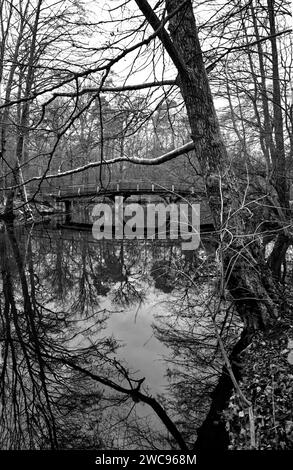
[
  {"x": 246, "y": 275},
  {"x": 243, "y": 270}
]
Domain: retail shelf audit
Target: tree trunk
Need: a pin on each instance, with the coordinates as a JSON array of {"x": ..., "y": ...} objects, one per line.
[
  {"x": 245, "y": 273},
  {"x": 23, "y": 114},
  {"x": 282, "y": 242}
]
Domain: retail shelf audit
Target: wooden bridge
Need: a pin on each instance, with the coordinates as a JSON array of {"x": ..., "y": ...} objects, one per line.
[{"x": 167, "y": 190}]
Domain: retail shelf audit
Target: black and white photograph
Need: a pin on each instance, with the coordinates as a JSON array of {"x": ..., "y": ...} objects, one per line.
[{"x": 146, "y": 232}]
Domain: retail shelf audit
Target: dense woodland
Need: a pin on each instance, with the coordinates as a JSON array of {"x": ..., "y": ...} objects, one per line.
[{"x": 166, "y": 91}]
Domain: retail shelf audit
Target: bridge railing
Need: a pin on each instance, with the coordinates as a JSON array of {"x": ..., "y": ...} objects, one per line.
[{"x": 115, "y": 186}]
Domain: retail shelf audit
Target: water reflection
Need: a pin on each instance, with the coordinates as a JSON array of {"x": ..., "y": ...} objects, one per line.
[{"x": 129, "y": 313}]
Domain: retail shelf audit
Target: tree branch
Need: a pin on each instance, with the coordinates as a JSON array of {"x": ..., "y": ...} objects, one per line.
[
  {"x": 210, "y": 67},
  {"x": 137, "y": 396},
  {"x": 156, "y": 24},
  {"x": 113, "y": 89},
  {"x": 166, "y": 157}
]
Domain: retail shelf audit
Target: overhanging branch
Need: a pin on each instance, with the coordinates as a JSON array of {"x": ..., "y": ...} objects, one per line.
[
  {"x": 117, "y": 89},
  {"x": 166, "y": 157},
  {"x": 137, "y": 396},
  {"x": 156, "y": 24}
]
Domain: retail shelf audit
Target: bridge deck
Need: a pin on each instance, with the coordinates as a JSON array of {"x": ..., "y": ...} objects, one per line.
[{"x": 117, "y": 188}]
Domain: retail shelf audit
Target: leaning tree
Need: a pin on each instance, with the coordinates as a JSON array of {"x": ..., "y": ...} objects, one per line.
[{"x": 246, "y": 275}]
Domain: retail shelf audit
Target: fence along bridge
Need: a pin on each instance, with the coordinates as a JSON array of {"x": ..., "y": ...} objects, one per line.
[{"x": 168, "y": 191}]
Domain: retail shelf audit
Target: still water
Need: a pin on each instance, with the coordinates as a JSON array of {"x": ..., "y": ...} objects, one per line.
[{"x": 129, "y": 313}]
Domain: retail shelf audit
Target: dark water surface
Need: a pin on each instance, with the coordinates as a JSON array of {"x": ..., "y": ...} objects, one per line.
[{"x": 123, "y": 310}]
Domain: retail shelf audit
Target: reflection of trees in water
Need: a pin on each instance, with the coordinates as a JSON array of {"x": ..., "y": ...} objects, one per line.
[
  {"x": 42, "y": 401},
  {"x": 55, "y": 364},
  {"x": 163, "y": 275},
  {"x": 130, "y": 286},
  {"x": 85, "y": 272},
  {"x": 60, "y": 384},
  {"x": 26, "y": 404},
  {"x": 57, "y": 270},
  {"x": 195, "y": 363}
]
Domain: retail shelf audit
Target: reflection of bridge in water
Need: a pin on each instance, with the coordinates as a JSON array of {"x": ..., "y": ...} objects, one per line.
[{"x": 77, "y": 233}]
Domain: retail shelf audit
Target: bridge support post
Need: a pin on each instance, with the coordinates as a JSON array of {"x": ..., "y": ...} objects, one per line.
[
  {"x": 112, "y": 197},
  {"x": 68, "y": 211}
]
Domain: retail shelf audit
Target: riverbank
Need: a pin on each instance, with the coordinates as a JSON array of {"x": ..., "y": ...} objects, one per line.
[{"x": 267, "y": 381}]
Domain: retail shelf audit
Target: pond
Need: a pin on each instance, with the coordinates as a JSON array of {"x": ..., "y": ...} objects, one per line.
[{"x": 84, "y": 320}]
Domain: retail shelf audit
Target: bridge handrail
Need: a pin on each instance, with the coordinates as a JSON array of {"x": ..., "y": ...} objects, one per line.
[{"x": 165, "y": 185}]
